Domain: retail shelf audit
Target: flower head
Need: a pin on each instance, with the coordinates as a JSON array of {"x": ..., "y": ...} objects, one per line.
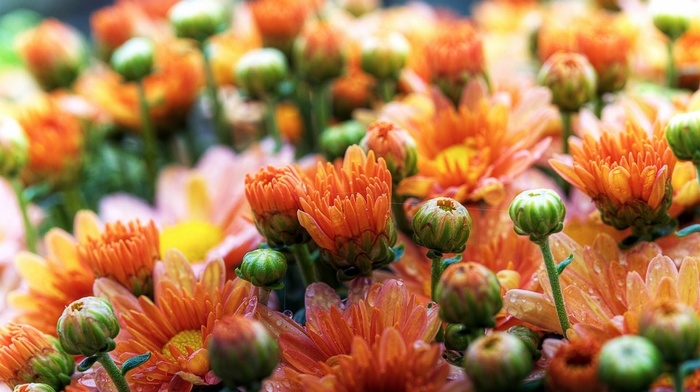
[
  {"x": 347, "y": 212},
  {"x": 87, "y": 327},
  {"x": 125, "y": 253},
  {"x": 395, "y": 145},
  {"x": 279, "y": 21},
  {"x": 54, "y": 53},
  {"x": 14, "y": 147},
  {"x": 113, "y": 25},
  {"x": 319, "y": 53},
  {"x": 28, "y": 355},
  {"x": 571, "y": 78},
  {"x": 442, "y": 224},
  {"x": 574, "y": 367},
  {"x": 626, "y": 173}
]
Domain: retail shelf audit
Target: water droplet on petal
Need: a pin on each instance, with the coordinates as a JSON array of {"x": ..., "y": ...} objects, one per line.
[{"x": 310, "y": 292}]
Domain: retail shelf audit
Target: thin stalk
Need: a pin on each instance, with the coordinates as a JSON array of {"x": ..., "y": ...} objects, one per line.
[
  {"x": 320, "y": 110},
  {"x": 566, "y": 129},
  {"x": 678, "y": 379},
  {"x": 598, "y": 105},
  {"x": 30, "y": 235},
  {"x": 149, "y": 141},
  {"x": 113, "y": 371},
  {"x": 671, "y": 75},
  {"x": 264, "y": 295},
  {"x": 697, "y": 171},
  {"x": 72, "y": 202},
  {"x": 306, "y": 264},
  {"x": 271, "y": 123},
  {"x": 436, "y": 269},
  {"x": 400, "y": 218},
  {"x": 553, "y": 276},
  {"x": 387, "y": 89},
  {"x": 225, "y": 137}
]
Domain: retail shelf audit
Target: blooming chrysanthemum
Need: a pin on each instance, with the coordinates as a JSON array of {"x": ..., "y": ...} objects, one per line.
[
  {"x": 125, "y": 253},
  {"x": 605, "y": 39},
  {"x": 54, "y": 281},
  {"x": 279, "y": 21},
  {"x": 605, "y": 289},
  {"x": 202, "y": 211},
  {"x": 469, "y": 153},
  {"x": 384, "y": 313},
  {"x": 176, "y": 326},
  {"x": 170, "y": 90},
  {"x": 351, "y": 91},
  {"x": 347, "y": 212},
  {"x": 55, "y": 140},
  {"x": 574, "y": 367},
  {"x": 626, "y": 173}
]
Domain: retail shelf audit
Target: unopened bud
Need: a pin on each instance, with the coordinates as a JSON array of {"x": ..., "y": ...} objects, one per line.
[
  {"x": 87, "y": 327},
  {"x": 443, "y": 225}
]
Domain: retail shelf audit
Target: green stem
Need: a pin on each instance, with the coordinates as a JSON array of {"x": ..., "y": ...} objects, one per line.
[
  {"x": 598, "y": 105},
  {"x": 72, "y": 202},
  {"x": 271, "y": 123},
  {"x": 553, "y": 276},
  {"x": 225, "y": 137},
  {"x": 113, "y": 371},
  {"x": 30, "y": 235},
  {"x": 671, "y": 76},
  {"x": 387, "y": 89},
  {"x": 566, "y": 130},
  {"x": 264, "y": 295},
  {"x": 306, "y": 264},
  {"x": 400, "y": 218},
  {"x": 697, "y": 171},
  {"x": 435, "y": 271},
  {"x": 320, "y": 110},
  {"x": 678, "y": 379},
  {"x": 149, "y": 141}
]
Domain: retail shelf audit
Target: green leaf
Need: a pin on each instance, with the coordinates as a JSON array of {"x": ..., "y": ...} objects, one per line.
[
  {"x": 87, "y": 363},
  {"x": 135, "y": 362},
  {"x": 561, "y": 266},
  {"x": 688, "y": 230},
  {"x": 451, "y": 260}
]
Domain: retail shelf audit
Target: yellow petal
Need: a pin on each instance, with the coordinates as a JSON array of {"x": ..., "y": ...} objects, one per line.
[
  {"x": 87, "y": 225},
  {"x": 198, "y": 201},
  {"x": 35, "y": 271}
]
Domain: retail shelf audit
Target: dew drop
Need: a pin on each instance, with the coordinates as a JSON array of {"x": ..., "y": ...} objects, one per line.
[
  {"x": 286, "y": 384},
  {"x": 596, "y": 268},
  {"x": 538, "y": 306},
  {"x": 620, "y": 282},
  {"x": 268, "y": 388},
  {"x": 288, "y": 313},
  {"x": 310, "y": 292},
  {"x": 513, "y": 299},
  {"x": 399, "y": 283},
  {"x": 278, "y": 323}
]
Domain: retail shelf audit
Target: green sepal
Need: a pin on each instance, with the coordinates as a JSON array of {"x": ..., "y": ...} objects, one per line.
[
  {"x": 87, "y": 363},
  {"x": 565, "y": 263},
  {"x": 399, "y": 251},
  {"x": 689, "y": 366},
  {"x": 688, "y": 230},
  {"x": 276, "y": 286},
  {"x": 451, "y": 260},
  {"x": 135, "y": 362}
]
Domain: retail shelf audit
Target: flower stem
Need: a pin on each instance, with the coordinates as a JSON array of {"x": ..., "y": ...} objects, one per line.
[
  {"x": 30, "y": 235},
  {"x": 271, "y": 123},
  {"x": 598, "y": 105},
  {"x": 320, "y": 110},
  {"x": 566, "y": 130},
  {"x": 436, "y": 269},
  {"x": 400, "y": 218},
  {"x": 306, "y": 264},
  {"x": 113, "y": 371},
  {"x": 553, "y": 276},
  {"x": 387, "y": 89},
  {"x": 671, "y": 76},
  {"x": 225, "y": 137},
  {"x": 264, "y": 295},
  {"x": 678, "y": 379},
  {"x": 149, "y": 141},
  {"x": 72, "y": 202}
]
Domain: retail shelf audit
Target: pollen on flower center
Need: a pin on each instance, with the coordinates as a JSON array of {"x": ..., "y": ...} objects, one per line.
[
  {"x": 189, "y": 338},
  {"x": 193, "y": 238},
  {"x": 446, "y": 204}
]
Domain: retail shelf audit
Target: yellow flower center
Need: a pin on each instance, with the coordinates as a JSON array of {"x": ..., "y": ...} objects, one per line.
[
  {"x": 193, "y": 238},
  {"x": 189, "y": 338}
]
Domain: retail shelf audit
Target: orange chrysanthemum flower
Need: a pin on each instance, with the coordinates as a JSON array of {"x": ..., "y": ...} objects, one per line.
[
  {"x": 347, "y": 212},
  {"x": 273, "y": 195},
  {"x": 627, "y": 174},
  {"x": 332, "y": 328},
  {"x": 53, "y": 52},
  {"x": 155, "y": 8},
  {"x": 390, "y": 364},
  {"x": 126, "y": 254},
  {"x": 686, "y": 55},
  {"x": 55, "y": 140},
  {"x": 470, "y": 153},
  {"x": 455, "y": 55},
  {"x": 574, "y": 367},
  {"x": 176, "y": 327},
  {"x": 28, "y": 355},
  {"x": 56, "y": 280},
  {"x": 279, "y": 21},
  {"x": 605, "y": 39},
  {"x": 170, "y": 90},
  {"x": 351, "y": 91},
  {"x": 113, "y": 25}
]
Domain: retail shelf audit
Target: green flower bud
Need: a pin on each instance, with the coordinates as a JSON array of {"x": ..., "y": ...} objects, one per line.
[
  {"x": 497, "y": 362},
  {"x": 395, "y": 145},
  {"x": 198, "y": 19},
  {"x": 673, "y": 328},
  {"x": 571, "y": 78},
  {"x": 529, "y": 337},
  {"x": 88, "y": 327},
  {"x": 336, "y": 139},
  {"x": 263, "y": 267},
  {"x": 34, "y": 387},
  {"x": 683, "y": 135},
  {"x": 458, "y": 337},
  {"x": 384, "y": 57},
  {"x": 537, "y": 213},
  {"x": 134, "y": 59},
  {"x": 629, "y": 363},
  {"x": 319, "y": 53},
  {"x": 359, "y": 7},
  {"x": 443, "y": 225},
  {"x": 671, "y": 17},
  {"x": 242, "y": 353},
  {"x": 469, "y": 294},
  {"x": 14, "y": 147},
  {"x": 261, "y": 71}
]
